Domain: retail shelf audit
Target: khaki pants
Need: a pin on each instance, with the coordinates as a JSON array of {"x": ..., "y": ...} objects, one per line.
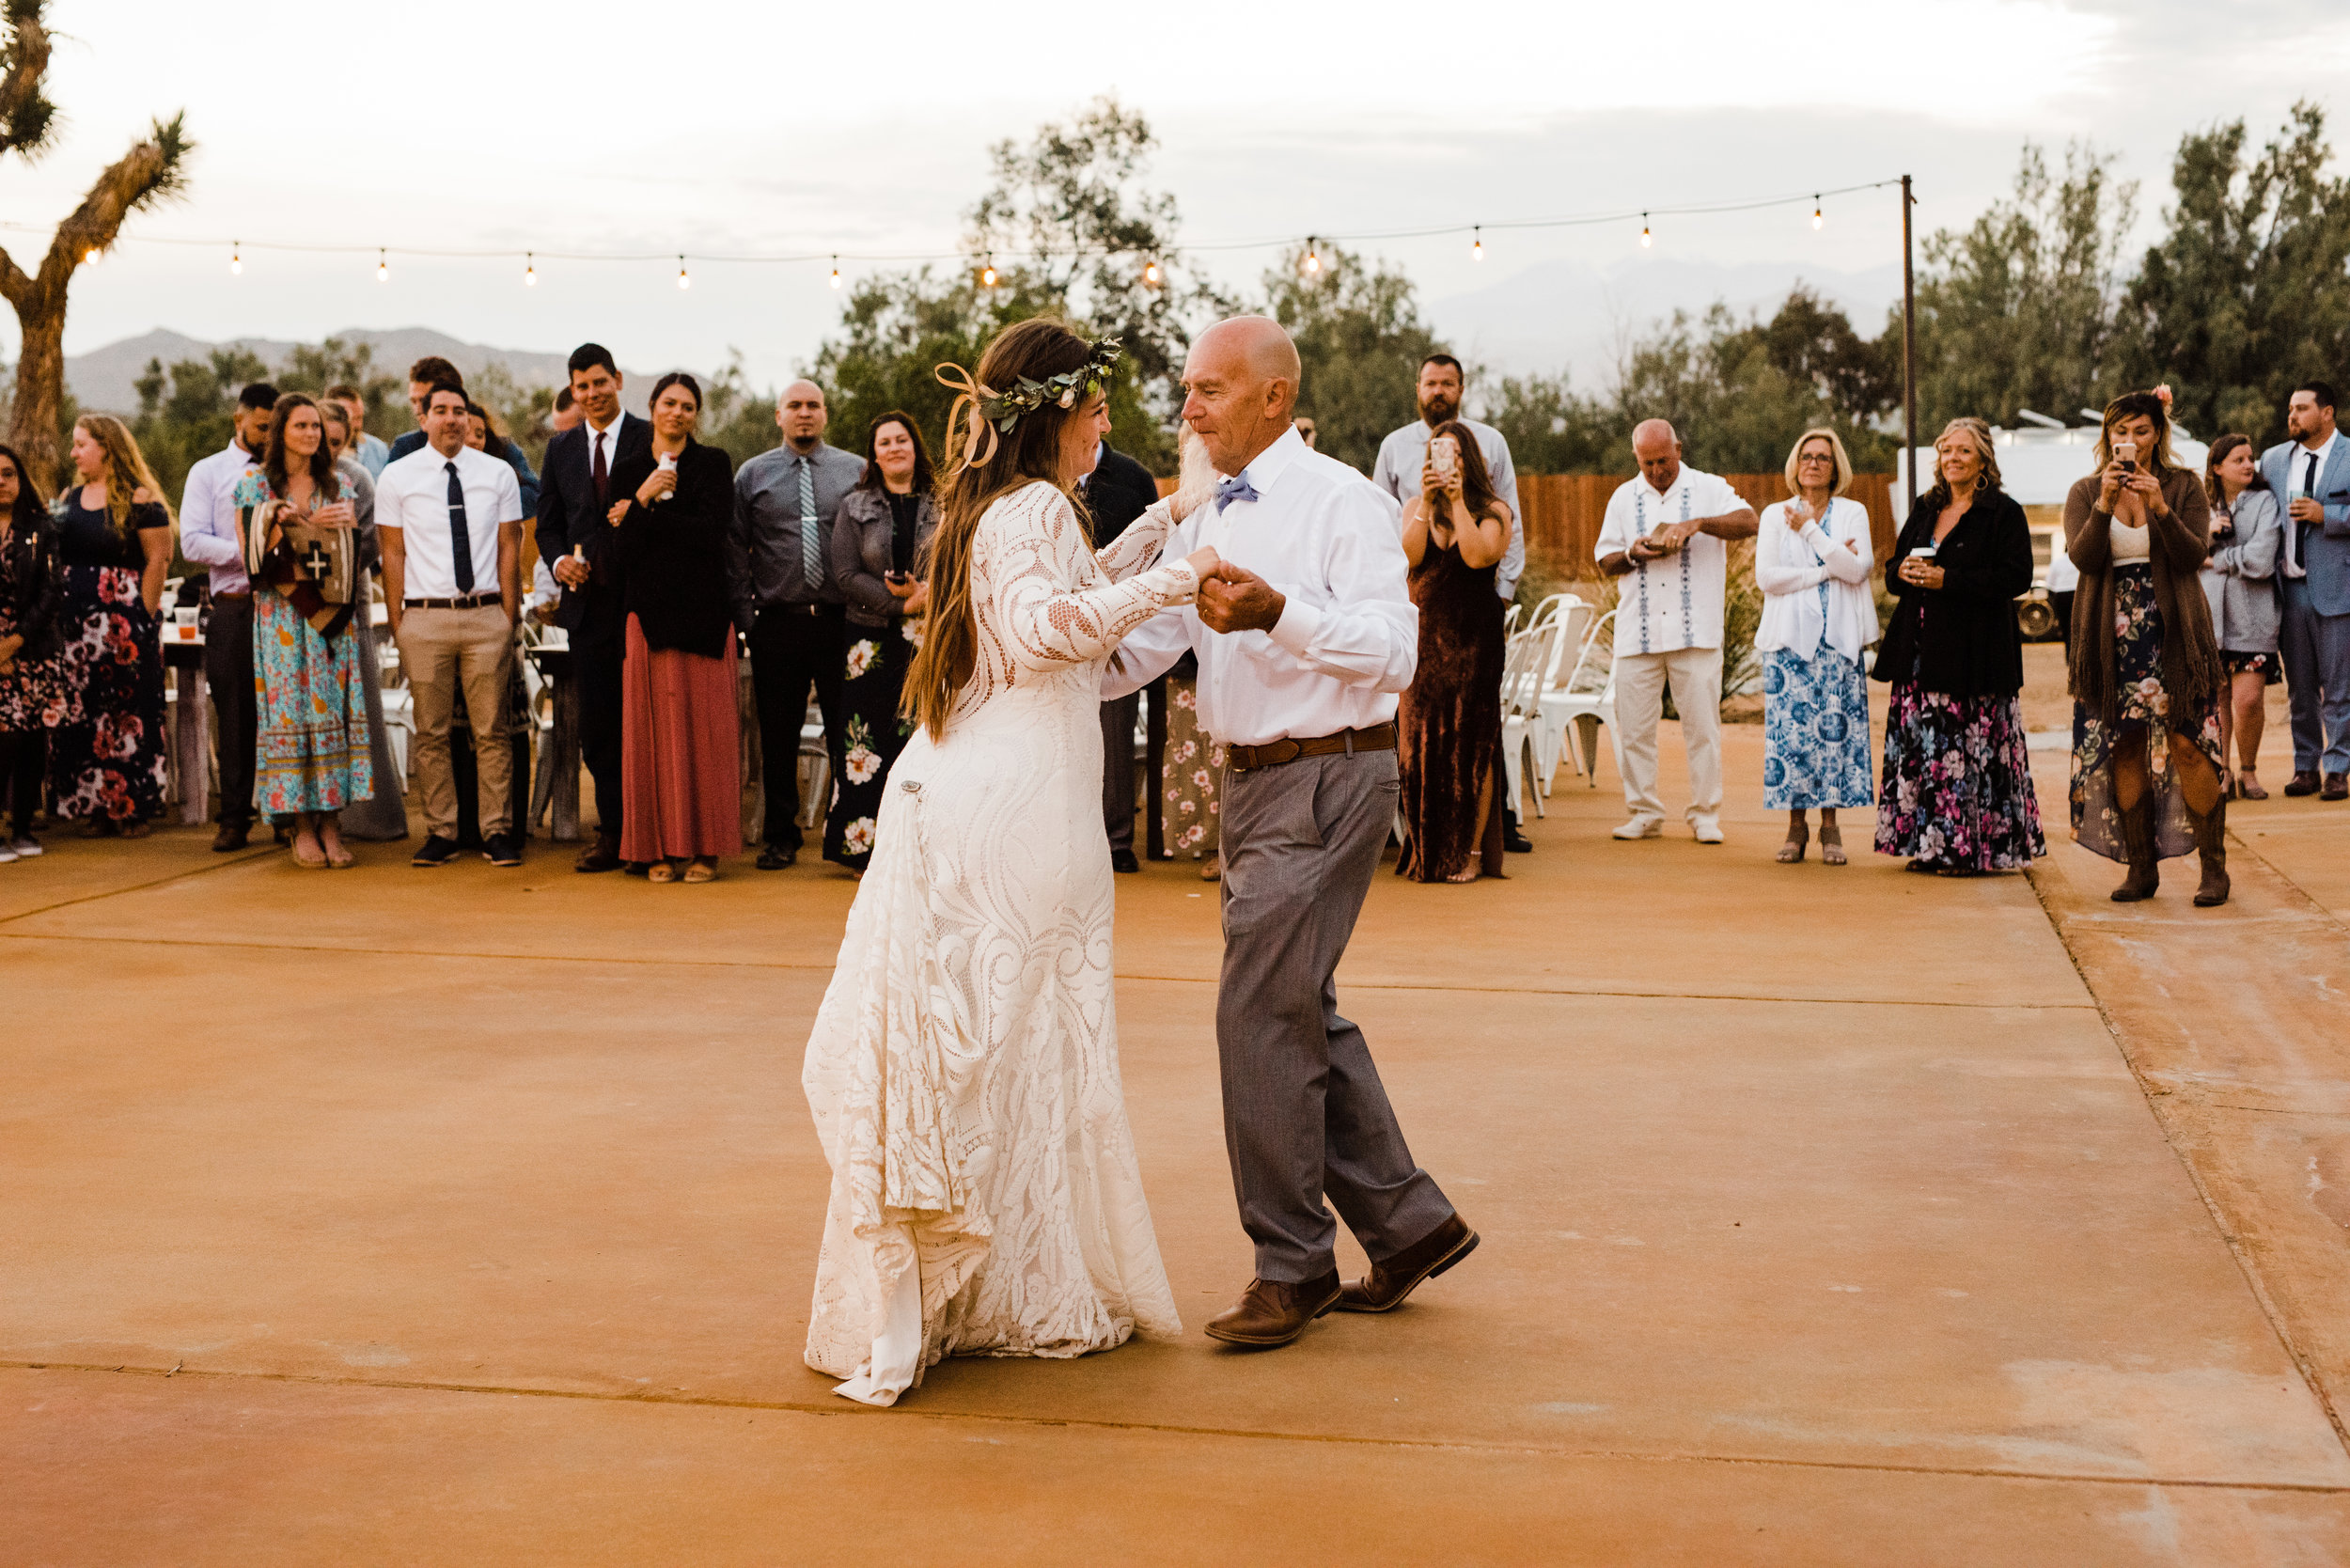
[
  {"x": 1696, "y": 674},
  {"x": 444, "y": 651}
]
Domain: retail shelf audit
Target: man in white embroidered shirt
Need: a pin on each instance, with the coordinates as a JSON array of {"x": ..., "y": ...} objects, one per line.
[
  {"x": 1662, "y": 540},
  {"x": 451, "y": 519},
  {"x": 1304, "y": 635}
]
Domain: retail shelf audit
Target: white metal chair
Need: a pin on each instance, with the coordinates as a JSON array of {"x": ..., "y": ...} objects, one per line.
[
  {"x": 1585, "y": 699},
  {"x": 1522, "y": 669}
]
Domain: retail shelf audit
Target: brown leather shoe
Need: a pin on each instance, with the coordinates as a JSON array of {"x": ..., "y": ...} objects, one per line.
[
  {"x": 2302, "y": 783},
  {"x": 230, "y": 837},
  {"x": 601, "y": 855},
  {"x": 1385, "y": 1287},
  {"x": 1272, "y": 1313},
  {"x": 2337, "y": 787}
]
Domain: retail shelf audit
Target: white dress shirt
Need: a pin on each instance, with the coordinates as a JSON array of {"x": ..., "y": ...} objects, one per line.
[
  {"x": 610, "y": 437},
  {"x": 1674, "y": 601},
  {"x": 1397, "y": 472},
  {"x": 2296, "y": 485},
  {"x": 1791, "y": 566},
  {"x": 412, "y": 496},
  {"x": 208, "y": 517},
  {"x": 1348, "y": 640}
]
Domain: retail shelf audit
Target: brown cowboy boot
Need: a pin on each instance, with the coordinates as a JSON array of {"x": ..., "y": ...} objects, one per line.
[
  {"x": 2137, "y": 841},
  {"x": 2211, "y": 842}
]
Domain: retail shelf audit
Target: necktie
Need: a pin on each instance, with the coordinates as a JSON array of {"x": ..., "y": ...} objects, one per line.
[
  {"x": 811, "y": 552},
  {"x": 2309, "y": 478},
  {"x": 1237, "y": 488},
  {"x": 603, "y": 476},
  {"x": 460, "y": 541}
]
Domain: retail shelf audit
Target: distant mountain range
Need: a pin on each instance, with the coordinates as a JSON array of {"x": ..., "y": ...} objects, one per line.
[{"x": 107, "y": 379}]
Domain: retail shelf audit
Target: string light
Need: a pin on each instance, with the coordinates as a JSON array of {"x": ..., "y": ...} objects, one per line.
[
  {"x": 236, "y": 257},
  {"x": 383, "y": 266},
  {"x": 1313, "y": 257},
  {"x": 530, "y": 270},
  {"x": 1645, "y": 239},
  {"x": 987, "y": 273},
  {"x": 91, "y": 257},
  {"x": 836, "y": 272},
  {"x": 1818, "y": 217},
  {"x": 682, "y": 281},
  {"x": 1151, "y": 272},
  {"x": 1477, "y": 244}
]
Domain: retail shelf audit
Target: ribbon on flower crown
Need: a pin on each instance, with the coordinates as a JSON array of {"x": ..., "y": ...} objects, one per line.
[{"x": 970, "y": 401}]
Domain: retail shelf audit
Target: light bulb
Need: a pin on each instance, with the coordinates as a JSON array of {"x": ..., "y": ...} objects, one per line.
[
  {"x": 236, "y": 259},
  {"x": 90, "y": 257},
  {"x": 1477, "y": 244},
  {"x": 836, "y": 272},
  {"x": 1645, "y": 239},
  {"x": 682, "y": 281},
  {"x": 1313, "y": 258},
  {"x": 382, "y": 270},
  {"x": 987, "y": 275},
  {"x": 530, "y": 271},
  {"x": 1150, "y": 274},
  {"x": 1818, "y": 217}
]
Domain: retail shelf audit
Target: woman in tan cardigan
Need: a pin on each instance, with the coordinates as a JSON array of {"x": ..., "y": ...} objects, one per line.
[{"x": 2146, "y": 674}]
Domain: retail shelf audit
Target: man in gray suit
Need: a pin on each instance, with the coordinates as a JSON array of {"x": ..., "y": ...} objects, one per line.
[{"x": 2310, "y": 474}]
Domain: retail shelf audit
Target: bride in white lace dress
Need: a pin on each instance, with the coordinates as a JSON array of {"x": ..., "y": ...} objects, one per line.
[{"x": 963, "y": 1073}]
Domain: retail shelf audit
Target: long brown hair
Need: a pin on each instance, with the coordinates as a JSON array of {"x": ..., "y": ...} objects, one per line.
[
  {"x": 126, "y": 470},
  {"x": 326, "y": 483},
  {"x": 1978, "y": 433},
  {"x": 2220, "y": 452},
  {"x": 1029, "y": 452},
  {"x": 1477, "y": 480},
  {"x": 925, "y": 477},
  {"x": 2162, "y": 462}
]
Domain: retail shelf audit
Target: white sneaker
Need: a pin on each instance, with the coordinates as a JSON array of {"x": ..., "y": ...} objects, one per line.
[
  {"x": 1642, "y": 828},
  {"x": 1708, "y": 830},
  {"x": 7, "y": 854},
  {"x": 26, "y": 848}
]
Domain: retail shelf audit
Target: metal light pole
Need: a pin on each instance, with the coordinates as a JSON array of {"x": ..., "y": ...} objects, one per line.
[{"x": 1909, "y": 360}]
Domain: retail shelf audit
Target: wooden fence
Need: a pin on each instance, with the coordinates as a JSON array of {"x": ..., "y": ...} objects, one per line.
[{"x": 1563, "y": 511}]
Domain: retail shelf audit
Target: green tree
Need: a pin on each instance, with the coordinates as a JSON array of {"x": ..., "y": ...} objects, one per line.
[
  {"x": 2248, "y": 288},
  {"x": 186, "y": 413},
  {"x": 2017, "y": 311},
  {"x": 1551, "y": 428},
  {"x": 313, "y": 368},
  {"x": 1360, "y": 341}
]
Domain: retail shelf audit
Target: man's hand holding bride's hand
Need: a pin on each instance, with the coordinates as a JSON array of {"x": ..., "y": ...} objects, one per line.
[
  {"x": 1234, "y": 599},
  {"x": 1203, "y": 562}
]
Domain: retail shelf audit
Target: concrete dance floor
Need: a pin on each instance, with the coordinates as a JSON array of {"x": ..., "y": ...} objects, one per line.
[{"x": 1829, "y": 1216}]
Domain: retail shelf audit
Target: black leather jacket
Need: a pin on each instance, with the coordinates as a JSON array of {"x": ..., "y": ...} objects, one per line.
[{"x": 35, "y": 583}]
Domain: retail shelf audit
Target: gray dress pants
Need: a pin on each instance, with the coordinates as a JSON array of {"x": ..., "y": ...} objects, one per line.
[
  {"x": 1303, "y": 1111},
  {"x": 2316, "y": 651}
]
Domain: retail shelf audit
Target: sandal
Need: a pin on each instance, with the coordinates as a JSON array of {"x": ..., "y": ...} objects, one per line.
[
  {"x": 701, "y": 870},
  {"x": 2248, "y": 787},
  {"x": 1831, "y": 845},
  {"x": 135, "y": 829},
  {"x": 1212, "y": 869},
  {"x": 313, "y": 861},
  {"x": 1792, "y": 851},
  {"x": 661, "y": 871}
]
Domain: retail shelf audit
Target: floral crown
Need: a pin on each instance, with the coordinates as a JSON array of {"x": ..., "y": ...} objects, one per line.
[{"x": 982, "y": 414}]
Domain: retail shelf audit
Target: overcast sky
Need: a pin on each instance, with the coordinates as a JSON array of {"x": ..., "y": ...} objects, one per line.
[{"x": 700, "y": 125}]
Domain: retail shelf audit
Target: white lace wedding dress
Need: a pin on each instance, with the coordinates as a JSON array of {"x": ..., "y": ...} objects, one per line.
[{"x": 963, "y": 1069}]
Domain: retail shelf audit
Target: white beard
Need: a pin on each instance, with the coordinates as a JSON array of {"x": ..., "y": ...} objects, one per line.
[{"x": 1195, "y": 486}]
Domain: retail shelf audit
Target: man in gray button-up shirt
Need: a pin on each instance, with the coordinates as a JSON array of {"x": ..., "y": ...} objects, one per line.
[{"x": 780, "y": 583}]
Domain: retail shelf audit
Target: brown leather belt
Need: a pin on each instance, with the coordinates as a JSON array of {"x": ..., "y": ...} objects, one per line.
[
  {"x": 1246, "y": 759},
  {"x": 462, "y": 602}
]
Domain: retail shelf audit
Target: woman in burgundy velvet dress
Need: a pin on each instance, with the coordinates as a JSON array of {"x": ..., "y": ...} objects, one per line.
[{"x": 1448, "y": 725}]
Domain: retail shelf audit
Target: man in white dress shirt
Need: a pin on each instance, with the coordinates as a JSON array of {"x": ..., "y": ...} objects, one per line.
[
  {"x": 1304, "y": 636},
  {"x": 451, "y": 522},
  {"x": 207, "y": 537},
  {"x": 1662, "y": 539}
]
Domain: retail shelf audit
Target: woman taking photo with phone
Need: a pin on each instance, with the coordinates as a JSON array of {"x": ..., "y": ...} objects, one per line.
[
  {"x": 1448, "y": 722},
  {"x": 880, "y": 540},
  {"x": 2145, "y": 668},
  {"x": 1956, "y": 794},
  {"x": 2248, "y": 533},
  {"x": 680, "y": 758}
]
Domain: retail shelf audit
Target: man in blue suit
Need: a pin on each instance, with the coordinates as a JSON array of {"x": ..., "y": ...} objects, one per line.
[{"x": 2310, "y": 474}]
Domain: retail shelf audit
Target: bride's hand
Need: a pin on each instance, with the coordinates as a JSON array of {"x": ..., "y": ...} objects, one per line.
[{"x": 1203, "y": 561}]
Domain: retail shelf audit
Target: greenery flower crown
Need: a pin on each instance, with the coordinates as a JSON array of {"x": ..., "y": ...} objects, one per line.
[{"x": 984, "y": 413}]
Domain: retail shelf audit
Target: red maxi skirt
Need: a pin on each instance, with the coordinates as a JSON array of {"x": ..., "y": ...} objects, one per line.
[{"x": 681, "y": 758}]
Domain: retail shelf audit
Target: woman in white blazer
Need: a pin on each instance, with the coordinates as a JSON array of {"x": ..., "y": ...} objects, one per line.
[{"x": 1813, "y": 560}]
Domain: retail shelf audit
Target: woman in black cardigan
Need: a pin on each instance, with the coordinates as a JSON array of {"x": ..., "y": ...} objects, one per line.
[
  {"x": 680, "y": 766},
  {"x": 1957, "y": 796},
  {"x": 33, "y": 692}
]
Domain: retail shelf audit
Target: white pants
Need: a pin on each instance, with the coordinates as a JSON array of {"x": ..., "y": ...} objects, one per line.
[{"x": 1696, "y": 674}]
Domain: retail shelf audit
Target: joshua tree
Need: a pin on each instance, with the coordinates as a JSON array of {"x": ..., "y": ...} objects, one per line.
[{"x": 150, "y": 171}]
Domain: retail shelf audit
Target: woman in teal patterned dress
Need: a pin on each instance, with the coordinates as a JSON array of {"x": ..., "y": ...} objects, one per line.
[{"x": 313, "y": 743}]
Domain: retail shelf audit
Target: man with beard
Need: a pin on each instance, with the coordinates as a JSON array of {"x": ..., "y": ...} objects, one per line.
[{"x": 1402, "y": 455}]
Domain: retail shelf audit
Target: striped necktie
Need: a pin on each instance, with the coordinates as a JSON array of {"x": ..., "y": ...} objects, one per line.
[{"x": 811, "y": 548}]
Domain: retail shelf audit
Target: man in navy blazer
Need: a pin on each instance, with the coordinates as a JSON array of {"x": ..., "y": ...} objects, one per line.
[
  {"x": 575, "y": 542},
  {"x": 2310, "y": 474}
]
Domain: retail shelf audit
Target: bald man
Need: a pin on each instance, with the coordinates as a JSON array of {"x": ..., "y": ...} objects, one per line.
[
  {"x": 1304, "y": 636},
  {"x": 1662, "y": 540},
  {"x": 780, "y": 576}
]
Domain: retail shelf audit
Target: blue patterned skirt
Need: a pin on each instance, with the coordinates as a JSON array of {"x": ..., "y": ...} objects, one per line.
[{"x": 1815, "y": 731}]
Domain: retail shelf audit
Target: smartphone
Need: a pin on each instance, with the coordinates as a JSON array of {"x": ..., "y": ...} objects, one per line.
[
  {"x": 2125, "y": 453},
  {"x": 1443, "y": 455}
]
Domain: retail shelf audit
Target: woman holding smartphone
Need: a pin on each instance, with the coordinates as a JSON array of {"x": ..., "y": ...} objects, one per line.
[
  {"x": 2145, "y": 668},
  {"x": 681, "y": 760},
  {"x": 1956, "y": 795},
  {"x": 880, "y": 540}
]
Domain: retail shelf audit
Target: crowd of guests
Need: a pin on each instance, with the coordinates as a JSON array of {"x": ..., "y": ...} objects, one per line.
[{"x": 2185, "y": 597}]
